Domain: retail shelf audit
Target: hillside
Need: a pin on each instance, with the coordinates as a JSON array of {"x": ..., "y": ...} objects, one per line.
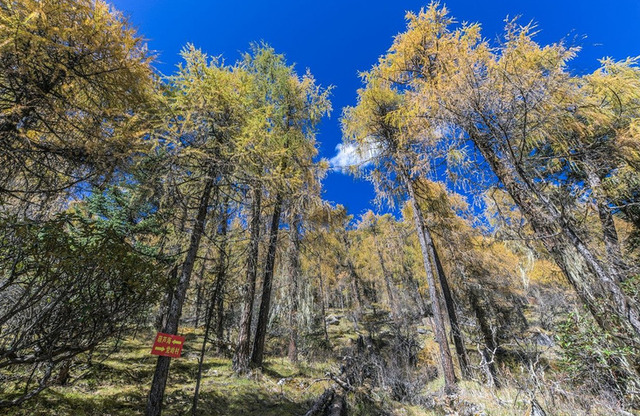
[
  {"x": 167, "y": 243},
  {"x": 115, "y": 381}
]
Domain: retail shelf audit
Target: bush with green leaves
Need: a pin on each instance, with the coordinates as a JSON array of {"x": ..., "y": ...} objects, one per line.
[
  {"x": 67, "y": 285},
  {"x": 594, "y": 359}
]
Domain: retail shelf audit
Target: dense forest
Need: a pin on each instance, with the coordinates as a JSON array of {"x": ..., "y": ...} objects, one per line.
[{"x": 498, "y": 276}]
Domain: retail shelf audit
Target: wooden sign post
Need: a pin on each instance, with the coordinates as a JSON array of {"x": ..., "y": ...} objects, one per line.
[{"x": 168, "y": 345}]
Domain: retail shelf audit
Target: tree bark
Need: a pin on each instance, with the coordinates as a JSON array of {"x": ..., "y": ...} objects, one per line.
[
  {"x": 357, "y": 299},
  {"x": 214, "y": 302},
  {"x": 414, "y": 287},
  {"x": 387, "y": 280},
  {"x": 242, "y": 354},
  {"x": 220, "y": 320},
  {"x": 156, "y": 394},
  {"x": 207, "y": 326},
  {"x": 265, "y": 303},
  {"x": 199, "y": 301},
  {"x": 294, "y": 276},
  {"x": 323, "y": 308},
  {"x": 489, "y": 349},
  {"x": 456, "y": 333},
  {"x": 438, "y": 318},
  {"x": 321, "y": 405},
  {"x": 161, "y": 318},
  {"x": 221, "y": 272}
]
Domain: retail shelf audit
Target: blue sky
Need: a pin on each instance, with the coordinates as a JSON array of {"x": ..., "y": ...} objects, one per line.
[{"x": 337, "y": 39}]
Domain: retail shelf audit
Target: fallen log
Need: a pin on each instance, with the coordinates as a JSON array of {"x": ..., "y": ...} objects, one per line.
[
  {"x": 329, "y": 403},
  {"x": 322, "y": 403},
  {"x": 337, "y": 406}
]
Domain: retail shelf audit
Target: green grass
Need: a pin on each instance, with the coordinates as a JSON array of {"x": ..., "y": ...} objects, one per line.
[{"x": 118, "y": 384}]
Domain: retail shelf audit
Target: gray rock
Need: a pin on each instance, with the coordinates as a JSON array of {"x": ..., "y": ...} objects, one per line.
[
  {"x": 543, "y": 339},
  {"x": 332, "y": 320}
]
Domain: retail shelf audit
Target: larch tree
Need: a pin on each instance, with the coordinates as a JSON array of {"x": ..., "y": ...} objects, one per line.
[
  {"x": 532, "y": 122},
  {"x": 295, "y": 107},
  {"x": 300, "y": 203},
  {"x": 437, "y": 206},
  {"x": 321, "y": 258},
  {"x": 74, "y": 79},
  {"x": 205, "y": 115},
  {"x": 378, "y": 229},
  {"x": 383, "y": 128}
]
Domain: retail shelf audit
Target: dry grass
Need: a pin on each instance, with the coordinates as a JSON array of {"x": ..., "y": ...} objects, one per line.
[{"x": 117, "y": 385}]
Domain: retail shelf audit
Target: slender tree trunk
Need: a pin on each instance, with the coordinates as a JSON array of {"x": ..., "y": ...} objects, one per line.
[
  {"x": 456, "y": 333},
  {"x": 265, "y": 303},
  {"x": 614, "y": 312},
  {"x": 489, "y": 351},
  {"x": 242, "y": 354},
  {"x": 387, "y": 281},
  {"x": 161, "y": 318},
  {"x": 294, "y": 276},
  {"x": 357, "y": 298},
  {"x": 415, "y": 291},
  {"x": 323, "y": 308},
  {"x": 221, "y": 272},
  {"x": 220, "y": 321},
  {"x": 199, "y": 300},
  {"x": 207, "y": 326},
  {"x": 156, "y": 394},
  {"x": 438, "y": 318}
]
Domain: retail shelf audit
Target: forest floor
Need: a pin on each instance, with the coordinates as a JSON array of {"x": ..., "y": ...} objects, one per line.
[{"x": 117, "y": 384}]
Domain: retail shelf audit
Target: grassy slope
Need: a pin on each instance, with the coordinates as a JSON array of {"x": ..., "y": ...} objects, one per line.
[{"x": 118, "y": 385}]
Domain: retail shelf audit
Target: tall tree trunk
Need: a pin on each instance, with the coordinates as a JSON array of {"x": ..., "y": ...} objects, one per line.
[
  {"x": 161, "y": 318},
  {"x": 355, "y": 279},
  {"x": 294, "y": 276},
  {"x": 242, "y": 354},
  {"x": 446, "y": 361},
  {"x": 220, "y": 321},
  {"x": 415, "y": 291},
  {"x": 387, "y": 280},
  {"x": 156, "y": 394},
  {"x": 597, "y": 288},
  {"x": 323, "y": 308},
  {"x": 265, "y": 302},
  {"x": 199, "y": 300},
  {"x": 489, "y": 350},
  {"x": 456, "y": 333},
  {"x": 221, "y": 271},
  {"x": 207, "y": 326},
  {"x": 355, "y": 283}
]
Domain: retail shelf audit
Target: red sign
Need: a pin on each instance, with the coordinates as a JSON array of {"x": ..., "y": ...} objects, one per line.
[{"x": 168, "y": 345}]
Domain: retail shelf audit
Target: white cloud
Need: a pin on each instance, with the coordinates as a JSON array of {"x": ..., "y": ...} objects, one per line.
[{"x": 353, "y": 155}]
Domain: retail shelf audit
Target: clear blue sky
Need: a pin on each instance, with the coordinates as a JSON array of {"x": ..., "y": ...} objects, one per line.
[{"x": 336, "y": 39}]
